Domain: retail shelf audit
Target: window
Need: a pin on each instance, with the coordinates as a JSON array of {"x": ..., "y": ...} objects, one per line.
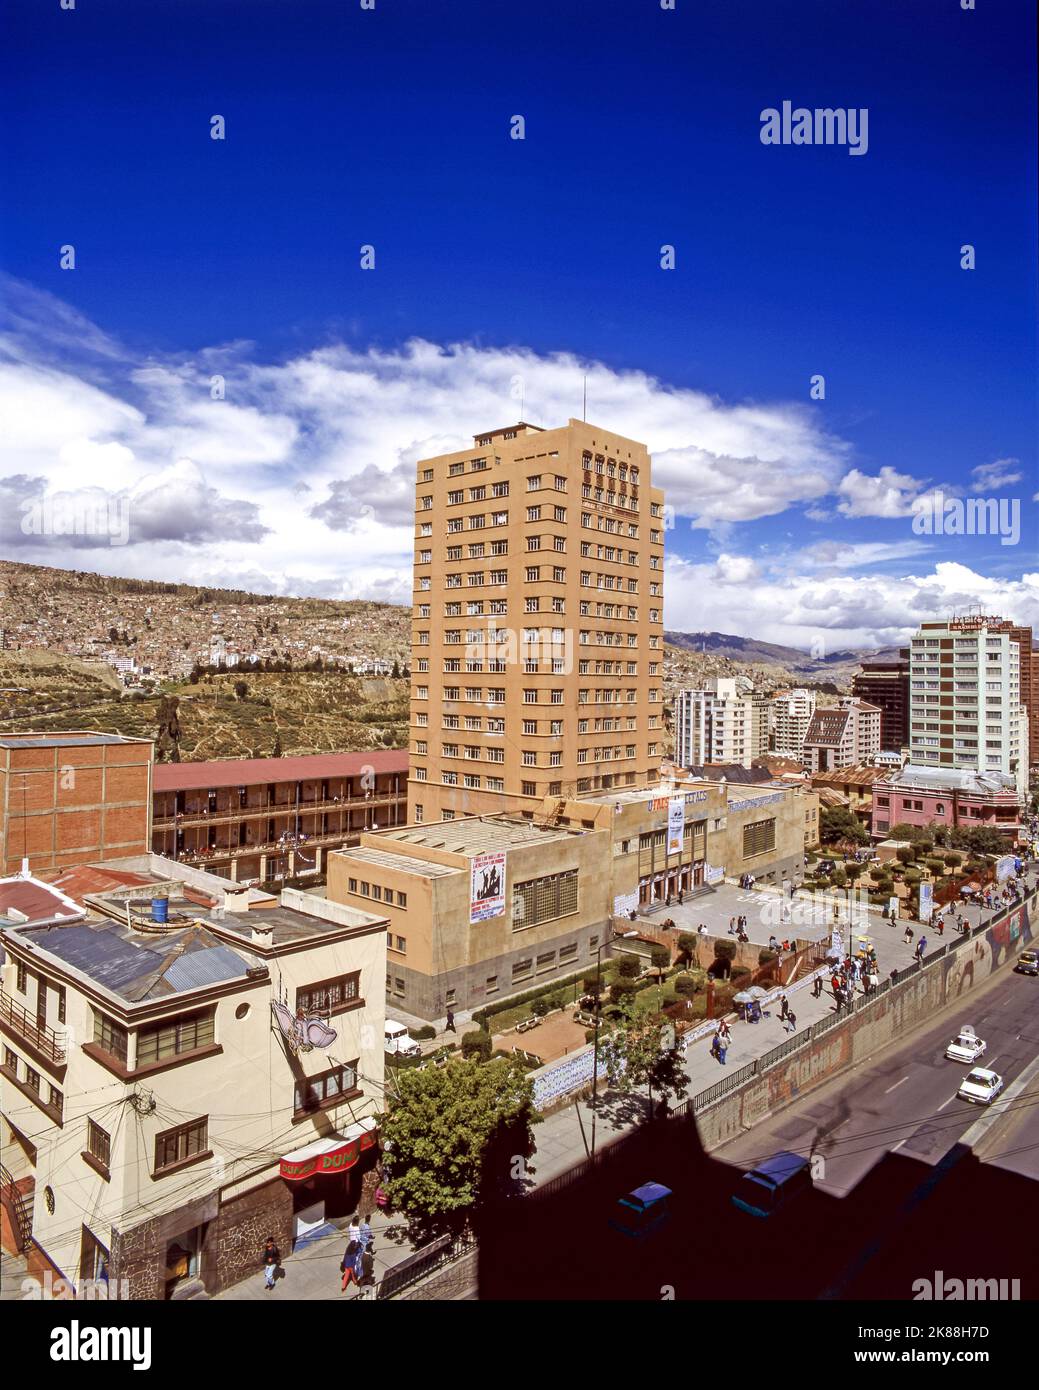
[
  {"x": 521, "y": 969},
  {"x": 21, "y": 978},
  {"x": 110, "y": 1037},
  {"x": 174, "y": 1147},
  {"x": 11, "y": 1061},
  {"x": 32, "y": 1078},
  {"x": 402, "y": 899},
  {"x": 759, "y": 838},
  {"x": 326, "y": 1089},
  {"x": 174, "y": 1037},
  {"x": 542, "y": 899},
  {"x": 99, "y": 1144},
  {"x": 330, "y": 996}
]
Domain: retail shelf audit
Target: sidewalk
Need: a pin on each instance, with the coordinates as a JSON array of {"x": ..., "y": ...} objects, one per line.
[
  {"x": 313, "y": 1271},
  {"x": 564, "y": 1138}
]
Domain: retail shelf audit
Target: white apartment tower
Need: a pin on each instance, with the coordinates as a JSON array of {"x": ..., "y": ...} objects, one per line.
[
  {"x": 722, "y": 723},
  {"x": 792, "y": 712},
  {"x": 965, "y": 705}
]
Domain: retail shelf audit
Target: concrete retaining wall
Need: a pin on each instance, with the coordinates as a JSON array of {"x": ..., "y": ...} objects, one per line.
[{"x": 877, "y": 1023}]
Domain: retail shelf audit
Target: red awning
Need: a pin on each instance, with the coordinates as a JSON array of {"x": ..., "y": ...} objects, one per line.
[{"x": 333, "y": 1155}]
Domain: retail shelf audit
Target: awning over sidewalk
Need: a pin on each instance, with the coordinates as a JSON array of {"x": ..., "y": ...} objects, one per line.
[{"x": 332, "y": 1155}]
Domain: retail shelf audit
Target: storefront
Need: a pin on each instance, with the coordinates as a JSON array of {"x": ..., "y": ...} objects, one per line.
[{"x": 325, "y": 1177}]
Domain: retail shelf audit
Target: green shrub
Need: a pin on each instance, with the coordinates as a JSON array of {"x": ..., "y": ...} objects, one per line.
[
  {"x": 660, "y": 958},
  {"x": 739, "y": 972},
  {"x": 629, "y": 967},
  {"x": 913, "y": 876},
  {"x": 725, "y": 950},
  {"x": 623, "y": 989},
  {"x": 905, "y": 855},
  {"x": 766, "y": 957},
  {"x": 426, "y": 1031},
  {"x": 539, "y": 1008},
  {"x": 685, "y": 984},
  {"x": 477, "y": 1044},
  {"x": 936, "y": 866}
]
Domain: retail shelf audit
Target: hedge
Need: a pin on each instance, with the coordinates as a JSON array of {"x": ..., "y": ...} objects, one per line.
[{"x": 481, "y": 1017}]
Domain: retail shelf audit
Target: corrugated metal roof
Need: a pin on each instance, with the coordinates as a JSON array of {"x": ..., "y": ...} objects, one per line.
[
  {"x": 204, "y": 967},
  {"x": 101, "y": 954}
]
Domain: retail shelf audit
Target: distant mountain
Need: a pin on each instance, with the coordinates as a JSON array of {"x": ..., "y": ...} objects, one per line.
[{"x": 754, "y": 651}]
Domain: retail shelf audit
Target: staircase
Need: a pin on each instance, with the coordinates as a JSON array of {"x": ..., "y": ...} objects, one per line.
[{"x": 17, "y": 1203}]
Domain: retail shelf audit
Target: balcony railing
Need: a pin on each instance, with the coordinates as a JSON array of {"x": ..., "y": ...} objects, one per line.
[
  {"x": 27, "y": 1027},
  {"x": 183, "y": 819}
]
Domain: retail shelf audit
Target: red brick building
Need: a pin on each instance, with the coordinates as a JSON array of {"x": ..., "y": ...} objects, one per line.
[{"x": 70, "y": 797}]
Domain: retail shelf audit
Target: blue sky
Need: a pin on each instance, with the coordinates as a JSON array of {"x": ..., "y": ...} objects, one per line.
[{"x": 536, "y": 259}]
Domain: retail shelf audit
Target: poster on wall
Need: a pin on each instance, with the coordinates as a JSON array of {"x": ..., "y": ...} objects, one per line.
[
  {"x": 926, "y": 901},
  {"x": 487, "y": 886},
  {"x": 675, "y": 824}
]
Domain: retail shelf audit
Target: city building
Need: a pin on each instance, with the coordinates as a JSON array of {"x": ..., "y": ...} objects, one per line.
[
  {"x": 723, "y": 723},
  {"x": 264, "y": 819},
  {"x": 537, "y": 632},
  {"x": 188, "y": 1066},
  {"x": 885, "y": 684},
  {"x": 69, "y": 797},
  {"x": 966, "y": 705},
  {"x": 842, "y": 737},
  {"x": 927, "y": 796},
  {"x": 851, "y": 788},
  {"x": 792, "y": 712},
  {"x": 484, "y": 907}
]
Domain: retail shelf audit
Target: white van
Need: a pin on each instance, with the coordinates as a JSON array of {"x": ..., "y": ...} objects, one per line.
[{"x": 400, "y": 1041}]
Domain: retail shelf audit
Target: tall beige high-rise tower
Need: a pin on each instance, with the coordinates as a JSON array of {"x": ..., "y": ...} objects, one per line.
[{"x": 537, "y": 635}]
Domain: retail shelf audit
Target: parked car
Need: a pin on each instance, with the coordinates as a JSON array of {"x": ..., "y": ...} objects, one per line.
[
  {"x": 980, "y": 1086},
  {"x": 643, "y": 1211},
  {"x": 766, "y": 1189},
  {"x": 825, "y": 866},
  {"x": 1028, "y": 963},
  {"x": 400, "y": 1041},
  {"x": 966, "y": 1046}
]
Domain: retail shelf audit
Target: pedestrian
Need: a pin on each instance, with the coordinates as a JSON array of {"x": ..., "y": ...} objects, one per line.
[
  {"x": 722, "y": 1049},
  {"x": 353, "y": 1231},
  {"x": 940, "y": 925},
  {"x": 921, "y": 947},
  {"x": 791, "y": 1019},
  {"x": 909, "y": 934},
  {"x": 271, "y": 1260},
  {"x": 732, "y": 926},
  {"x": 348, "y": 1265},
  {"x": 367, "y": 1236},
  {"x": 681, "y": 895},
  {"x": 367, "y": 1268},
  {"x": 817, "y": 988},
  {"x": 450, "y": 1022},
  {"x": 784, "y": 1007}
]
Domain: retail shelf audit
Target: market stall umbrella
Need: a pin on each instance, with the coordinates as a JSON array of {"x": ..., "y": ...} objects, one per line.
[
  {"x": 835, "y": 953},
  {"x": 756, "y": 992},
  {"x": 744, "y": 997}
]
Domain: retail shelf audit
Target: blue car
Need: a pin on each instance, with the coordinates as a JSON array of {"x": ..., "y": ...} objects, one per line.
[
  {"x": 766, "y": 1189},
  {"x": 643, "y": 1211}
]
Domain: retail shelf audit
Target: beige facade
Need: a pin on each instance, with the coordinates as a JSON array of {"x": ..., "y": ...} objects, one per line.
[
  {"x": 568, "y": 869},
  {"x": 554, "y": 901},
  {"x": 155, "y": 1106},
  {"x": 537, "y": 638}
]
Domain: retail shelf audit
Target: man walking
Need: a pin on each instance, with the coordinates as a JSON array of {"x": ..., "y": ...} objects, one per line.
[
  {"x": 784, "y": 1008},
  {"x": 271, "y": 1260},
  {"x": 450, "y": 1022},
  {"x": 791, "y": 1021},
  {"x": 921, "y": 947}
]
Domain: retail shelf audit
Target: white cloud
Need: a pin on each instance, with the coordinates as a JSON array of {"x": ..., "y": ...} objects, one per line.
[
  {"x": 841, "y": 609},
  {"x": 885, "y": 494},
  {"x": 990, "y": 477}
]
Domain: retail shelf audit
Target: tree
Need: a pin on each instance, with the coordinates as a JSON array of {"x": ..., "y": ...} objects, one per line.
[
  {"x": 837, "y": 823},
  {"x": 687, "y": 947},
  {"x": 241, "y": 690},
  {"x": 452, "y": 1137},
  {"x": 395, "y": 673},
  {"x": 629, "y": 967},
  {"x": 276, "y": 750},
  {"x": 634, "y": 1055},
  {"x": 167, "y": 739},
  {"x": 660, "y": 957}
]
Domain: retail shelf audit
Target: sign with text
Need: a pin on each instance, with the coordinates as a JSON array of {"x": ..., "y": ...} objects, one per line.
[
  {"x": 675, "y": 825},
  {"x": 487, "y": 886}
]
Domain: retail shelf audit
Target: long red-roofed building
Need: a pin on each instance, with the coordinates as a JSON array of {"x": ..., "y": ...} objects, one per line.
[{"x": 263, "y": 819}]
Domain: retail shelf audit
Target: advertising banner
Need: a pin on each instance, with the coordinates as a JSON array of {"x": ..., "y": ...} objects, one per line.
[
  {"x": 675, "y": 824},
  {"x": 1005, "y": 867},
  {"x": 487, "y": 886}
]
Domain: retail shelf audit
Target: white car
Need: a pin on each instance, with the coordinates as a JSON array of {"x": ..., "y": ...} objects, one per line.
[
  {"x": 400, "y": 1041},
  {"x": 966, "y": 1046},
  {"x": 980, "y": 1086}
]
